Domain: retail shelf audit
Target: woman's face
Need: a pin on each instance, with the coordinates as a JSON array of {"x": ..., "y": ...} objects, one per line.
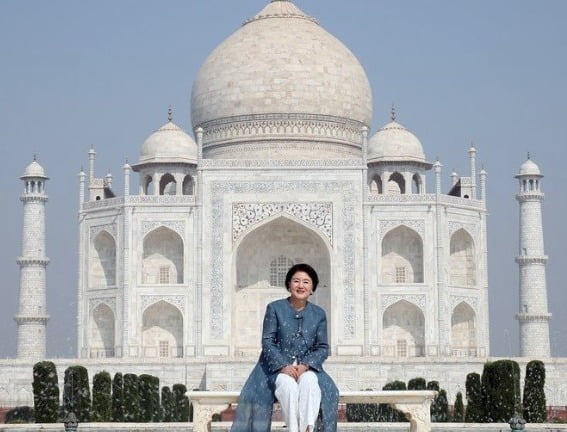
[{"x": 300, "y": 286}]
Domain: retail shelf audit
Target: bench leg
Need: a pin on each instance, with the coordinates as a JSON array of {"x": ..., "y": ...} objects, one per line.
[
  {"x": 202, "y": 416},
  {"x": 419, "y": 416}
]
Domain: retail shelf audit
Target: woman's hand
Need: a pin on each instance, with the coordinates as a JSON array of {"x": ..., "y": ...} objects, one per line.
[
  {"x": 301, "y": 368},
  {"x": 291, "y": 371}
]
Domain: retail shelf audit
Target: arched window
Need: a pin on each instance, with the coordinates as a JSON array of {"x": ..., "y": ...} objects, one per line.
[
  {"x": 167, "y": 185},
  {"x": 376, "y": 185},
  {"x": 463, "y": 332},
  {"x": 147, "y": 185},
  {"x": 102, "y": 263},
  {"x": 162, "y": 261},
  {"x": 278, "y": 269},
  {"x": 402, "y": 257},
  {"x": 102, "y": 332},
  {"x": 416, "y": 184},
  {"x": 462, "y": 268},
  {"x": 403, "y": 328},
  {"x": 162, "y": 331},
  {"x": 396, "y": 184}
]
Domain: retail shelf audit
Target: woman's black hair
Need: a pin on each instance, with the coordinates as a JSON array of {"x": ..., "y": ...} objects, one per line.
[{"x": 306, "y": 268}]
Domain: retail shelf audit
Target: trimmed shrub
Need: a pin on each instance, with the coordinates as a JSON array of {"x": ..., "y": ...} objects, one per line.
[
  {"x": 459, "y": 409},
  {"x": 45, "y": 392},
  {"x": 475, "y": 409},
  {"x": 102, "y": 402},
  {"x": 535, "y": 410},
  {"x": 150, "y": 410},
  {"x": 501, "y": 390},
  {"x": 387, "y": 413},
  {"x": 362, "y": 412},
  {"x": 76, "y": 393},
  {"x": 117, "y": 398},
  {"x": 181, "y": 403},
  {"x": 131, "y": 398},
  {"x": 416, "y": 384},
  {"x": 167, "y": 405},
  {"x": 21, "y": 414},
  {"x": 440, "y": 405}
]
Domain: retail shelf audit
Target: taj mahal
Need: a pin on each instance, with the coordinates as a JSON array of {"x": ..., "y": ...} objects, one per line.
[{"x": 281, "y": 167}]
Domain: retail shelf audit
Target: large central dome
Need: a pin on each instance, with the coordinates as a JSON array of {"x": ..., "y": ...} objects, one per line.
[{"x": 281, "y": 87}]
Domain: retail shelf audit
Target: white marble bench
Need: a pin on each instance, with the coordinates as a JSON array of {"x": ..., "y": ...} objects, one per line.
[{"x": 415, "y": 404}]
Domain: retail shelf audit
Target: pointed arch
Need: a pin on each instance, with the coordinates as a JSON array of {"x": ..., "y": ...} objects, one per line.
[
  {"x": 463, "y": 330},
  {"x": 162, "y": 331},
  {"x": 417, "y": 184},
  {"x": 260, "y": 258},
  {"x": 167, "y": 185},
  {"x": 462, "y": 267},
  {"x": 402, "y": 256},
  {"x": 102, "y": 262},
  {"x": 162, "y": 257},
  {"x": 376, "y": 185},
  {"x": 102, "y": 332},
  {"x": 188, "y": 185},
  {"x": 148, "y": 185},
  {"x": 396, "y": 184},
  {"x": 403, "y": 330}
]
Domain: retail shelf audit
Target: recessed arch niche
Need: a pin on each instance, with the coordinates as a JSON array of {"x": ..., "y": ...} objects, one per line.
[
  {"x": 278, "y": 240},
  {"x": 102, "y": 332},
  {"x": 162, "y": 331},
  {"x": 403, "y": 330}
]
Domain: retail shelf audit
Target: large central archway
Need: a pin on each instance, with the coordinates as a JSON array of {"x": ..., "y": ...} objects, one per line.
[{"x": 262, "y": 259}]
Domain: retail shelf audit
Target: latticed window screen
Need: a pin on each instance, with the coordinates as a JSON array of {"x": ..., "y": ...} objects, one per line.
[
  {"x": 164, "y": 275},
  {"x": 164, "y": 348},
  {"x": 400, "y": 274},
  {"x": 278, "y": 270},
  {"x": 402, "y": 348}
]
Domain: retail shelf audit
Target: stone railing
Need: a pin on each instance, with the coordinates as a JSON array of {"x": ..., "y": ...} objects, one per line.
[{"x": 139, "y": 199}]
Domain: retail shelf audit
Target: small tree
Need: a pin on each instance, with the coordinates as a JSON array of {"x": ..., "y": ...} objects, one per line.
[
  {"x": 416, "y": 384},
  {"x": 117, "y": 398},
  {"x": 501, "y": 390},
  {"x": 150, "y": 410},
  {"x": 76, "y": 393},
  {"x": 102, "y": 402},
  {"x": 534, "y": 394},
  {"x": 167, "y": 405},
  {"x": 131, "y": 398},
  {"x": 181, "y": 403},
  {"x": 475, "y": 410},
  {"x": 441, "y": 408},
  {"x": 459, "y": 409},
  {"x": 45, "y": 392}
]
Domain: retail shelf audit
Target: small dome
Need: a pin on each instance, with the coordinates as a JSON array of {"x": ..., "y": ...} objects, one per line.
[
  {"x": 394, "y": 143},
  {"x": 169, "y": 144},
  {"x": 34, "y": 170},
  {"x": 529, "y": 167}
]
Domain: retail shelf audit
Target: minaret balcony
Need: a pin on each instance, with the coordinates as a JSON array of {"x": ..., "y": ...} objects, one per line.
[
  {"x": 526, "y": 259},
  {"x": 29, "y": 261},
  {"x": 533, "y": 317}
]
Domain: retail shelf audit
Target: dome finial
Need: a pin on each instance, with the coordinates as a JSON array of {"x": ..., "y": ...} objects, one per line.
[
  {"x": 35, "y": 157},
  {"x": 528, "y": 155},
  {"x": 170, "y": 114},
  {"x": 393, "y": 112}
]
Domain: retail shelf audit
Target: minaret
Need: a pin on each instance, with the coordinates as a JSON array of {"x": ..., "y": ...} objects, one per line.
[
  {"x": 32, "y": 314},
  {"x": 533, "y": 313}
]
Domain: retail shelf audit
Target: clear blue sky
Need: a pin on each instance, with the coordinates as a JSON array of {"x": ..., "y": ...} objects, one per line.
[{"x": 80, "y": 73}]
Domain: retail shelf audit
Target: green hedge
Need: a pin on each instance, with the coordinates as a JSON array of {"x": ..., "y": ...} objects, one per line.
[
  {"x": 117, "y": 398},
  {"x": 459, "y": 409},
  {"x": 501, "y": 390},
  {"x": 150, "y": 409},
  {"x": 362, "y": 412},
  {"x": 76, "y": 393},
  {"x": 131, "y": 398},
  {"x": 167, "y": 405},
  {"x": 102, "y": 401},
  {"x": 475, "y": 408},
  {"x": 385, "y": 412},
  {"x": 535, "y": 410},
  {"x": 181, "y": 403},
  {"x": 45, "y": 392}
]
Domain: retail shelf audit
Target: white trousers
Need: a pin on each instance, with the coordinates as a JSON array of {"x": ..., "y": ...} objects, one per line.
[{"x": 300, "y": 400}]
